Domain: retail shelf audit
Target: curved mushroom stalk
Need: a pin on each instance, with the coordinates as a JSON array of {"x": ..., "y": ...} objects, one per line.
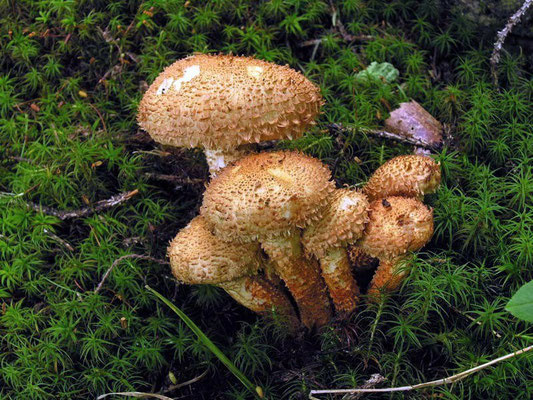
[
  {"x": 301, "y": 277},
  {"x": 261, "y": 296},
  {"x": 388, "y": 277},
  {"x": 397, "y": 225},
  {"x": 342, "y": 222},
  {"x": 199, "y": 257},
  {"x": 270, "y": 272},
  {"x": 343, "y": 288}
]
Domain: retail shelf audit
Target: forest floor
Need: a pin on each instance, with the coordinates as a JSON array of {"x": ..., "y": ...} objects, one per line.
[{"x": 72, "y": 75}]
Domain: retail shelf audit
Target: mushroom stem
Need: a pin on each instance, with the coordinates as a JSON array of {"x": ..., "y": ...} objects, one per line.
[
  {"x": 388, "y": 277},
  {"x": 301, "y": 277},
  {"x": 337, "y": 274},
  {"x": 260, "y": 296},
  {"x": 218, "y": 159}
]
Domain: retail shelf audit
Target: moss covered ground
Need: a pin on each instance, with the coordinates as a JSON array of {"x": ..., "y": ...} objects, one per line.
[{"x": 72, "y": 74}]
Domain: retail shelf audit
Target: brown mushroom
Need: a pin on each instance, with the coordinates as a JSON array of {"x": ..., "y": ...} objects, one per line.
[
  {"x": 268, "y": 197},
  {"x": 410, "y": 175},
  {"x": 199, "y": 257},
  {"x": 221, "y": 102},
  {"x": 342, "y": 222},
  {"x": 397, "y": 225}
]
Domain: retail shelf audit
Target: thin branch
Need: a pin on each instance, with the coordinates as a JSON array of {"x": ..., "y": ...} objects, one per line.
[
  {"x": 140, "y": 395},
  {"x": 21, "y": 159},
  {"x": 120, "y": 259},
  {"x": 174, "y": 179},
  {"x": 62, "y": 242},
  {"x": 186, "y": 383},
  {"x": 438, "y": 382},
  {"x": 502, "y": 35},
  {"x": 475, "y": 321},
  {"x": 99, "y": 116},
  {"x": 311, "y": 42},
  {"x": 338, "y": 128},
  {"x": 375, "y": 379},
  {"x": 83, "y": 212}
]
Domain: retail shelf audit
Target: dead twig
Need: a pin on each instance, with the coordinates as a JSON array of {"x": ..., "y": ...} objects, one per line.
[
  {"x": 338, "y": 128},
  {"x": 337, "y": 28},
  {"x": 99, "y": 116},
  {"x": 120, "y": 259},
  {"x": 62, "y": 242},
  {"x": 171, "y": 388},
  {"x": 83, "y": 212},
  {"x": 502, "y": 35},
  {"x": 139, "y": 395},
  {"x": 174, "y": 179},
  {"x": 444, "y": 381},
  {"x": 375, "y": 379},
  {"x": 21, "y": 159},
  {"x": 475, "y": 321}
]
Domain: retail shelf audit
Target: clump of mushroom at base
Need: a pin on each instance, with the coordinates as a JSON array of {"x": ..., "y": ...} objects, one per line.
[
  {"x": 199, "y": 257},
  {"x": 269, "y": 197},
  {"x": 342, "y": 222},
  {"x": 225, "y": 103},
  {"x": 399, "y": 221},
  {"x": 286, "y": 204}
]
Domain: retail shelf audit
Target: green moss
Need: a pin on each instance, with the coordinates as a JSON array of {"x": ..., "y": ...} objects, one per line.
[{"x": 71, "y": 79}]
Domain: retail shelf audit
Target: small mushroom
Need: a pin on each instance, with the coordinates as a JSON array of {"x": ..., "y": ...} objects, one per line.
[
  {"x": 410, "y": 175},
  {"x": 342, "y": 222},
  {"x": 397, "y": 225},
  {"x": 221, "y": 102},
  {"x": 269, "y": 197},
  {"x": 199, "y": 257}
]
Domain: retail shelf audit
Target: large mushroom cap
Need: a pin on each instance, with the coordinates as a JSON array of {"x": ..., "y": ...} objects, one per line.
[
  {"x": 410, "y": 175},
  {"x": 264, "y": 195},
  {"x": 343, "y": 222},
  {"x": 197, "y": 256},
  {"x": 223, "y": 101},
  {"x": 397, "y": 225}
]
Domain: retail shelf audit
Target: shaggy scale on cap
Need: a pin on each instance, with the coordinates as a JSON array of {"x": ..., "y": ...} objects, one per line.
[
  {"x": 223, "y": 101},
  {"x": 198, "y": 257},
  {"x": 342, "y": 222},
  {"x": 410, "y": 176},
  {"x": 265, "y": 195},
  {"x": 397, "y": 225}
]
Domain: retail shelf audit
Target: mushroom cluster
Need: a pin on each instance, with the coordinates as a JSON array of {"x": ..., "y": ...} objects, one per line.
[{"x": 274, "y": 232}]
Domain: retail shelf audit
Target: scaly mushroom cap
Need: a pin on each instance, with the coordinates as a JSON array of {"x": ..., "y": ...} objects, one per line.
[
  {"x": 223, "y": 101},
  {"x": 411, "y": 176},
  {"x": 397, "y": 225},
  {"x": 342, "y": 222},
  {"x": 265, "y": 195},
  {"x": 197, "y": 256}
]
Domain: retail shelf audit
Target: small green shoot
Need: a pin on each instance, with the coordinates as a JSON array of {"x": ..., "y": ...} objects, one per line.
[{"x": 256, "y": 390}]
